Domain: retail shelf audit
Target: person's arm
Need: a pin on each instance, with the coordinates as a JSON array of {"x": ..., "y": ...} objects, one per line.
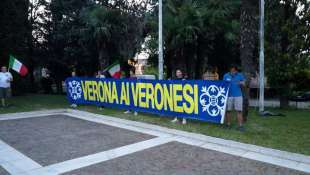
[
  {"x": 217, "y": 77},
  {"x": 10, "y": 77},
  {"x": 225, "y": 77},
  {"x": 242, "y": 80}
]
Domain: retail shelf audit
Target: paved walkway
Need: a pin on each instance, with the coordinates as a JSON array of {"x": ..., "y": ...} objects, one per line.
[{"x": 71, "y": 142}]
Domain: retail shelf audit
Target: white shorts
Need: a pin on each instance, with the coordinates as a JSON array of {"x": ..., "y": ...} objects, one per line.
[{"x": 235, "y": 103}]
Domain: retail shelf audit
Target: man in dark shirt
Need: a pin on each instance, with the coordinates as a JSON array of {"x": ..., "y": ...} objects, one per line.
[{"x": 179, "y": 76}]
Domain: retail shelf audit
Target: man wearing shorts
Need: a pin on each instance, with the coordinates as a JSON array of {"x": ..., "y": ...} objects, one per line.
[
  {"x": 5, "y": 83},
  {"x": 235, "y": 100}
]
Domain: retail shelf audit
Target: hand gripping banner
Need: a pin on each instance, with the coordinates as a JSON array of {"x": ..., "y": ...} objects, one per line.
[{"x": 193, "y": 99}]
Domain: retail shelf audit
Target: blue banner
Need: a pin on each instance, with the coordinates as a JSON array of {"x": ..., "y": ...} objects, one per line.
[{"x": 193, "y": 99}]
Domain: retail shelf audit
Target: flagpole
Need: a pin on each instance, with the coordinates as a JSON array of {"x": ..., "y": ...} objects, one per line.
[
  {"x": 261, "y": 57},
  {"x": 9, "y": 64},
  {"x": 160, "y": 41}
]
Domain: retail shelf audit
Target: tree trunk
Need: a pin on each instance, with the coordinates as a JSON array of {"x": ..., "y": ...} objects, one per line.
[{"x": 248, "y": 40}]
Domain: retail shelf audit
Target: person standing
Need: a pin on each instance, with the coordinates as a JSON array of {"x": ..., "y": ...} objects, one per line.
[
  {"x": 133, "y": 77},
  {"x": 5, "y": 84},
  {"x": 179, "y": 76},
  {"x": 100, "y": 74},
  {"x": 211, "y": 74},
  {"x": 215, "y": 73},
  {"x": 46, "y": 80},
  {"x": 73, "y": 75},
  {"x": 235, "y": 99}
]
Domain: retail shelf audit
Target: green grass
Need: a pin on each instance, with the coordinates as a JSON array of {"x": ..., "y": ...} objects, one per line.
[
  {"x": 289, "y": 133},
  {"x": 34, "y": 102}
]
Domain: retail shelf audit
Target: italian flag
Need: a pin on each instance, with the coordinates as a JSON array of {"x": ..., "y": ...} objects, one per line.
[
  {"x": 115, "y": 70},
  {"x": 17, "y": 66}
]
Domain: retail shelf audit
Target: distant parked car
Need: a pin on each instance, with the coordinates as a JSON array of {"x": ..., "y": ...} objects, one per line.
[{"x": 301, "y": 97}]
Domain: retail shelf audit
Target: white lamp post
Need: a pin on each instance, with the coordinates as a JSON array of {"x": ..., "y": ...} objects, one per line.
[
  {"x": 261, "y": 57},
  {"x": 160, "y": 41}
]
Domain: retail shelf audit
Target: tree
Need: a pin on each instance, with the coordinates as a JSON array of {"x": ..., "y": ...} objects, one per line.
[
  {"x": 248, "y": 43},
  {"x": 92, "y": 32},
  {"x": 115, "y": 39},
  {"x": 288, "y": 43},
  {"x": 196, "y": 32},
  {"x": 13, "y": 35}
]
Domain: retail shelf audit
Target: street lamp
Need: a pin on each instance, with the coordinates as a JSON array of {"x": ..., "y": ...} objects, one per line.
[
  {"x": 160, "y": 41},
  {"x": 261, "y": 57}
]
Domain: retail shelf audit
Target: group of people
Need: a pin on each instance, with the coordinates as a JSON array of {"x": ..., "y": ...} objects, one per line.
[
  {"x": 5, "y": 85},
  {"x": 234, "y": 103},
  {"x": 235, "y": 97}
]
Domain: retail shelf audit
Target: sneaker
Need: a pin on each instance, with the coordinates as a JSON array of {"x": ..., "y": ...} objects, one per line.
[
  {"x": 127, "y": 112},
  {"x": 184, "y": 121},
  {"x": 241, "y": 129},
  {"x": 175, "y": 120},
  {"x": 135, "y": 113}
]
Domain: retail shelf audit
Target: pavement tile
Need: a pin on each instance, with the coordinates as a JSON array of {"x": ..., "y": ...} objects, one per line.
[
  {"x": 54, "y": 139},
  {"x": 3, "y": 171},
  {"x": 175, "y": 158}
]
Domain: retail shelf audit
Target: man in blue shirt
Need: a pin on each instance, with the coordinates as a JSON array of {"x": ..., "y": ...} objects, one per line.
[{"x": 235, "y": 101}]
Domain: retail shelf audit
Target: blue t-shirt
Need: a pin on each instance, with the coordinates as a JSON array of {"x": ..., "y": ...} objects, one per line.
[{"x": 234, "y": 90}]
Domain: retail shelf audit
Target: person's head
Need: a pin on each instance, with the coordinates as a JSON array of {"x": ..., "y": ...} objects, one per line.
[
  {"x": 233, "y": 69},
  {"x": 99, "y": 72},
  {"x": 132, "y": 62},
  {"x": 4, "y": 69},
  {"x": 179, "y": 73}
]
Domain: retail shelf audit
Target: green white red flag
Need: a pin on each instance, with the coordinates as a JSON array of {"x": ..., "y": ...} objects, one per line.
[
  {"x": 115, "y": 70},
  {"x": 17, "y": 66}
]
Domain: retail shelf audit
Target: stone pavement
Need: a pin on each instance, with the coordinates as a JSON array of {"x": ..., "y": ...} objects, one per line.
[
  {"x": 71, "y": 142},
  {"x": 3, "y": 171}
]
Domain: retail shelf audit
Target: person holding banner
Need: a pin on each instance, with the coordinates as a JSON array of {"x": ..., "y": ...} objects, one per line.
[
  {"x": 5, "y": 83},
  {"x": 99, "y": 74},
  {"x": 211, "y": 74},
  {"x": 179, "y": 76},
  {"x": 133, "y": 76},
  {"x": 73, "y": 74},
  {"x": 235, "y": 98}
]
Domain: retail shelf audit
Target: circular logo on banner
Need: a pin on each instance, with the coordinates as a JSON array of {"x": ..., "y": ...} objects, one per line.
[
  {"x": 213, "y": 100},
  {"x": 75, "y": 89}
]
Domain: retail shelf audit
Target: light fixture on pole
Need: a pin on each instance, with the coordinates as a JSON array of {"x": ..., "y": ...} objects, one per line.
[
  {"x": 160, "y": 41},
  {"x": 261, "y": 57}
]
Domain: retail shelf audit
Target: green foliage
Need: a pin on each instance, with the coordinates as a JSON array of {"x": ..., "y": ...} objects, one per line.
[
  {"x": 197, "y": 32},
  {"x": 151, "y": 71},
  {"x": 89, "y": 35},
  {"x": 14, "y": 32},
  {"x": 287, "y": 45},
  {"x": 114, "y": 38},
  {"x": 13, "y": 29}
]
